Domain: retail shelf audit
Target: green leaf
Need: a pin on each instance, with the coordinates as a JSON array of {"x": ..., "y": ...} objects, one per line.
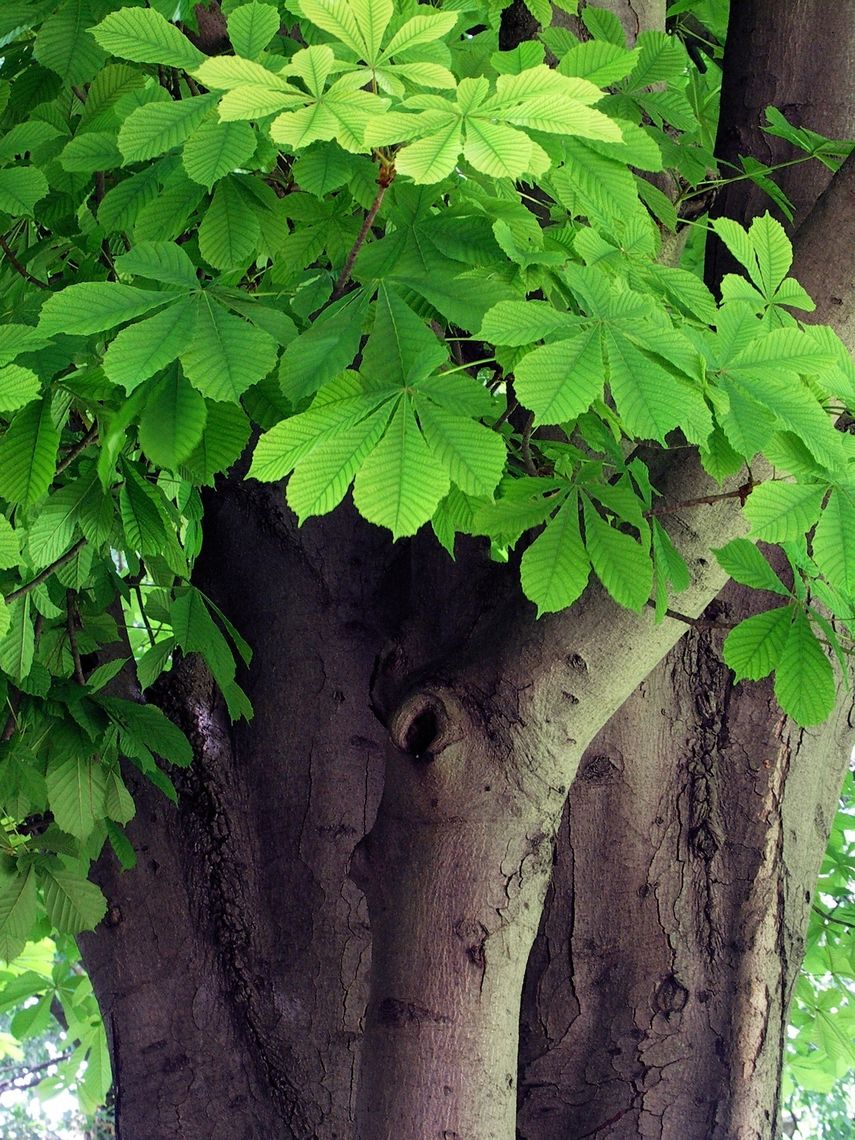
[
  {"x": 216, "y": 149},
  {"x": 473, "y": 455},
  {"x": 173, "y": 421},
  {"x": 73, "y": 904},
  {"x": 555, "y": 568},
  {"x": 94, "y": 306},
  {"x": 560, "y": 381},
  {"x": 17, "y": 645},
  {"x": 144, "y": 348},
  {"x": 321, "y": 478},
  {"x": 773, "y": 251},
  {"x": 162, "y": 261},
  {"x": 76, "y": 789},
  {"x": 804, "y": 678},
  {"x": 519, "y": 323},
  {"x": 433, "y": 158},
  {"x": 148, "y": 725},
  {"x": 783, "y": 512},
  {"x": 155, "y": 128},
  {"x": 427, "y": 27},
  {"x": 599, "y": 62},
  {"x": 197, "y": 632},
  {"x": 359, "y": 24},
  {"x": 10, "y": 551},
  {"x": 18, "y": 386},
  {"x": 18, "y": 908},
  {"x": 834, "y": 542},
  {"x": 144, "y": 527},
  {"x": 20, "y": 188},
  {"x": 229, "y": 233},
  {"x": 401, "y": 349},
  {"x": 64, "y": 43},
  {"x": 252, "y": 27},
  {"x": 91, "y": 151},
  {"x": 326, "y": 348},
  {"x": 144, "y": 36},
  {"x": 401, "y": 482},
  {"x": 28, "y": 454},
  {"x": 226, "y": 355},
  {"x": 753, "y": 649},
  {"x": 620, "y": 562},
  {"x": 225, "y": 436},
  {"x": 741, "y": 559}
]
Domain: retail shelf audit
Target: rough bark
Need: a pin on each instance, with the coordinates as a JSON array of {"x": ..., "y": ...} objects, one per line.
[{"x": 699, "y": 814}]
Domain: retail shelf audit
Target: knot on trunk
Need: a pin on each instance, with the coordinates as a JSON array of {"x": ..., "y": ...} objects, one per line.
[{"x": 421, "y": 725}]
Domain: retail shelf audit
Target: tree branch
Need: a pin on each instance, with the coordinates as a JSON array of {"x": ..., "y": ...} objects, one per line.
[
  {"x": 43, "y": 575},
  {"x": 387, "y": 174},
  {"x": 17, "y": 266}
]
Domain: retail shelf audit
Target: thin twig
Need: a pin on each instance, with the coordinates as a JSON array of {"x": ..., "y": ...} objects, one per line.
[
  {"x": 18, "y": 267},
  {"x": 386, "y": 176},
  {"x": 71, "y": 620},
  {"x": 740, "y": 493},
  {"x": 144, "y": 615},
  {"x": 831, "y": 918},
  {"x": 526, "y": 445},
  {"x": 31, "y": 1070},
  {"x": 509, "y": 411},
  {"x": 43, "y": 575},
  {"x": 698, "y": 623},
  {"x": 74, "y": 451}
]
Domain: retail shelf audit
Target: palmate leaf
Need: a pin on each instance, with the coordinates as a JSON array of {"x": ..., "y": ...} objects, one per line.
[
  {"x": 401, "y": 482},
  {"x": 473, "y": 455},
  {"x": 173, "y": 421},
  {"x": 18, "y": 909},
  {"x": 76, "y": 790},
  {"x": 620, "y": 562},
  {"x": 28, "y": 453},
  {"x": 804, "y": 678},
  {"x": 741, "y": 559},
  {"x": 65, "y": 44},
  {"x": 155, "y": 128},
  {"x": 834, "y": 542},
  {"x": 783, "y": 512},
  {"x": 780, "y": 350},
  {"x": 773, "y": 251},
  {"x": 144, "y": 36},
  {"x": 138, "y": 505},
  {"x": 17, "y": 645},
  {"x": 519, "y": 323},
  {"x": 321, "y": 479},
  {"x": 500, "y": 151},
  {"x": 555, "y": 568},
  {"x": 230, "y": 231},
  {"x": 752, "y": 650},
  {"x": 560, "y": 381},
  {"x": 159, "y": 261},
  {"x": 401, "y": 349},
  {"x": 359, "y": 24},
  {"x": 251, "y": 28},
  {"x": 224, "y": 438},
  {"x": 20, "y": 188},
  {"x": 17, "y": 387},
  {"x": 144, "y": 348},
  {"x": 215, "y": 149},
  {"x": 433, "y": 158},
  {"x": 226, "y": 355},
  {"x": 427, "y": 27},
  {"x": 95, "y": 306},
  {"x": 326, "y": 348},
  {"x": 73, "y": 903}
]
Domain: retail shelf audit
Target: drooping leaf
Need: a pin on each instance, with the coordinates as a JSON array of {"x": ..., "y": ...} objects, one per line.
[
  {"x": 555, "y": 568},
  {"x": 619, "y": 561},
  {"x": 28, "y": 453},
  {"x": 401, "y": 481},
  {"x": 143, "y": 35},
  {"x": 72, "y": 902},
  {"x": 804, "y": 679},
  {"x": 226, "y": 355},
  {"x": 473, "y": 455},
  {"x": 753, "y": 649},
  {"x": 745, "y": 564},
  {"x": 173, "y": 421},
  {"x": 76, "y": 789}
]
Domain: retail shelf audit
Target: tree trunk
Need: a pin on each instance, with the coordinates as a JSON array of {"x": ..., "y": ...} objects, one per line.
[
  {"x": 402, "y": 784},
  {"x": 700, "y": 814}
]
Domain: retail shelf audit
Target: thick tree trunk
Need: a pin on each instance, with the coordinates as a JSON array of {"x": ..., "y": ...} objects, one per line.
[
  {"x": 403, "y": 780},
  {"x": 700, "y": 815}
]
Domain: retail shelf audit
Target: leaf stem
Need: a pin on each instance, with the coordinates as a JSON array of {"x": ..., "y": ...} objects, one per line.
[
  {"x": 43, "y": 575},
  {"x": 76, "y": 448},
  {"x": 17, "y": 266},
  {"x": 740, "y": 493},
  {"x": 387, "y": 173}
]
